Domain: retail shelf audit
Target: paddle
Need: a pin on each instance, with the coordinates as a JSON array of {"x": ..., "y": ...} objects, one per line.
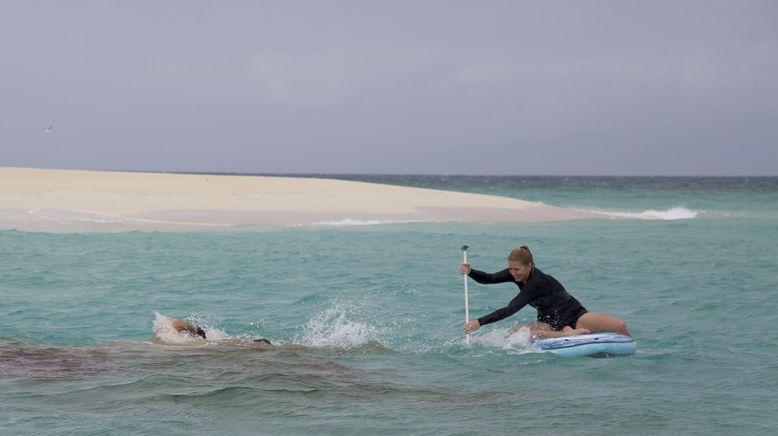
[{"x": 467, "y": 309}]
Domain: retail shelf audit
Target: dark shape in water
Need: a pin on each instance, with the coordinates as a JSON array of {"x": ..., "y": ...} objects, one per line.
[{"x": 16, "y": 362}]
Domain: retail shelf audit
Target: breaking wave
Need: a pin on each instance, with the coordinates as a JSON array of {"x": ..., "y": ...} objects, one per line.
[
  {"x": 673, "y": 214},
  {"x": 348, "y": 222},
  {"x": 61, "y": 216}
]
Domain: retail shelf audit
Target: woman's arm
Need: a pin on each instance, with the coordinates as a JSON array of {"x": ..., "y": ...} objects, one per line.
[
  {"x": 514, "y": 306},
  {"x": 517, "y": 303},
  {"x": 487, "y": 279}
]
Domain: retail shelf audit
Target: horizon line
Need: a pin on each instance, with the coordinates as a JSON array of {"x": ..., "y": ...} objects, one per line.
[{"x": 387, "y": 174}]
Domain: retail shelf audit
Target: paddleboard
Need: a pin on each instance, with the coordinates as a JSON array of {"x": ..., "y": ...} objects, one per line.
[{"x": 606, "y": 344}]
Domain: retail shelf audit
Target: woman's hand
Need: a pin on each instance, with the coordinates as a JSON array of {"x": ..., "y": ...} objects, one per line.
[
  {"x": 465, "y": 268},
  {"x": 472, "y": 326}
]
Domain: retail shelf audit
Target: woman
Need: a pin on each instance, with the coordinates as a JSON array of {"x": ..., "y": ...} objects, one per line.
[
  {"x": 181, "y": 325},
  {"x": 195, "y": 330},
  {"x": 559, "y": 314}
]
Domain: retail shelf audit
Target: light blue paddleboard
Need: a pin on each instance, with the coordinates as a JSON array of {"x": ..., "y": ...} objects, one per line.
[{"x": 606, "y": 344}]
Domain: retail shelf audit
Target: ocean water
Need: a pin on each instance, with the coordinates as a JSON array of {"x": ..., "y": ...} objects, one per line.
[{"x": 366, "y": 319}]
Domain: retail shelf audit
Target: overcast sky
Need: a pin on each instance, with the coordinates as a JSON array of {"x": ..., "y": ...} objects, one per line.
[{"x": 402, "y": 87}]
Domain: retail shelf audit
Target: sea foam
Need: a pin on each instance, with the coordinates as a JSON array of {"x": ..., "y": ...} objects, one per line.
[
  {"x": 673, "y": 214},
  {"x": 503, "y": 339},
  {"x": 349, "y": 222},
  {"x": 61, "y": 216}
]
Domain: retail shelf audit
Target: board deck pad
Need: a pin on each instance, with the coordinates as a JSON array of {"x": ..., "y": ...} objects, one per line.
[{"x": 604, "y": 344}]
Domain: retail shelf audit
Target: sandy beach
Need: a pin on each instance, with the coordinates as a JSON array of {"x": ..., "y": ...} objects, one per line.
[{"x": 51, "y": 200}]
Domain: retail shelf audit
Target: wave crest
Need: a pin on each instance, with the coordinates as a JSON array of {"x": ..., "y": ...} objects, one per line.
[
  {"x": 62, "y": 216},
  {"x": 350, "y": 222},
  {"x": 672, "y": 214}
]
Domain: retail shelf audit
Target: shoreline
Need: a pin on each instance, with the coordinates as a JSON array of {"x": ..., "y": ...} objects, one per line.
[{"x": 74, "y": 200}]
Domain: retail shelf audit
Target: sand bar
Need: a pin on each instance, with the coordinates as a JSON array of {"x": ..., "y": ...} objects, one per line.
[{"x": 68, "y": 200}]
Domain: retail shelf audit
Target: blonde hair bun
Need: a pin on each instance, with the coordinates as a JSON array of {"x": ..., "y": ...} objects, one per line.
[{"x": 522, "y": 255}]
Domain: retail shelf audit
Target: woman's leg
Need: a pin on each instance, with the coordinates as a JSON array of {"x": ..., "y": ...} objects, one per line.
[
  {"x": 533, "y": 327},
  {"x": 541, "y": 330},
  {"x": 600, "y": 322}
]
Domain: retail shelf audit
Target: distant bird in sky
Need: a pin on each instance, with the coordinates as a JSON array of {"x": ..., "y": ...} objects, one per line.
[{"x": 48, "y": 129}]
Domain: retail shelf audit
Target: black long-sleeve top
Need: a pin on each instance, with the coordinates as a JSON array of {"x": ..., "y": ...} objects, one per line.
[{"x": 540, "y": 291}]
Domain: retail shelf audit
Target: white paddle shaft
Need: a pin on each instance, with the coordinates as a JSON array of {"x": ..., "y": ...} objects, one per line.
[{"x": 467, "y": 308}]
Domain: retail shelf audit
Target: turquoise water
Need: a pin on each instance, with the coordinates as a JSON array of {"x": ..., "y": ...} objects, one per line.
[{"x": 367, "y": 321}]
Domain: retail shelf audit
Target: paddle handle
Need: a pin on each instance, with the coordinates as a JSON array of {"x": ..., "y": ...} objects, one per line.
[{"x": 467, "y": 306}]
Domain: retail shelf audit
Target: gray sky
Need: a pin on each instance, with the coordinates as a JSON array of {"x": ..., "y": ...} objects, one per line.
[{"x": 406, "y": 87}]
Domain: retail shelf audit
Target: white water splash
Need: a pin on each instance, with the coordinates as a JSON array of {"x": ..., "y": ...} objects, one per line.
[
  {"x": 676, "y": 213},
  {"x": 61, "y": 216},
  {"x": 349, "y": 222},
  {"x": 332, "y": 328},
  {"x": 162, "y": 332},
  {"x": 503, "y": 339}
]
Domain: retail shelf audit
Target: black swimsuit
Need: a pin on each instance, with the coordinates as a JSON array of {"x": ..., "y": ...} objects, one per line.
[{"x": 555, "y": 306}]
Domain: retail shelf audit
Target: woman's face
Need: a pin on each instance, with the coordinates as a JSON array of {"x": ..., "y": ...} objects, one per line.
[{"x": 519, "y": 271}]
